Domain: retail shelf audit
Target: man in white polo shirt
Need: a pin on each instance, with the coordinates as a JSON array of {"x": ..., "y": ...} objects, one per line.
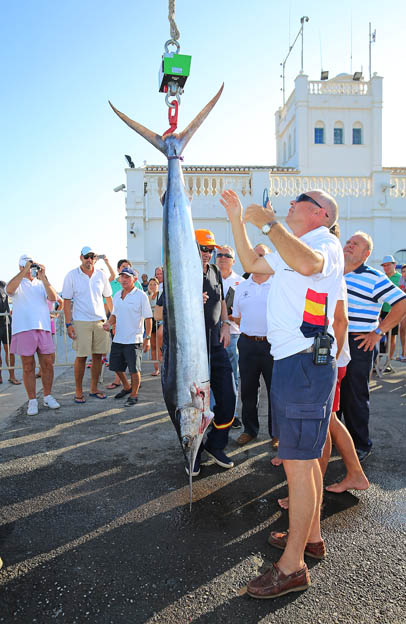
[
  {"x": 255, "y": 359},
  {"x": 31, "y": 328},
  {"x": 130, "y": 309},
  {"x": 86, "y": 287},
  {"x": 307, "y": 273},
  {"x": 225, "y": 258}
]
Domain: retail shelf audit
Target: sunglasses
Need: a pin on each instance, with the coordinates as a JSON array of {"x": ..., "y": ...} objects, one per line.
[
  {"x": 206, "y": 249},
  {"x": 223, "y": 255},
  {"x": 89, "y": 255},
  {"x": 303, "y": 197}
]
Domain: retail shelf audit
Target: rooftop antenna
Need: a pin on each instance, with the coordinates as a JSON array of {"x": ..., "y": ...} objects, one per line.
[
  {"x": 372, "y": 39},
  {"x": 300, "y": 33}
]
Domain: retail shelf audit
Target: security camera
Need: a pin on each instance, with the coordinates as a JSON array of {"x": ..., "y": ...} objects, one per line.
[{"x": 121, "y": 187}]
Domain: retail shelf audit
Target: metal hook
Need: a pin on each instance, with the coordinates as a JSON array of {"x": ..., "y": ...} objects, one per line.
[{"x": 172, "y": 42}]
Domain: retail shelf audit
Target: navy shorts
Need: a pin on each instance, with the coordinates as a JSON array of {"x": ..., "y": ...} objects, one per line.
[
  {"x": 123, "y": 355},
  {"x": 301, "y": 396}
]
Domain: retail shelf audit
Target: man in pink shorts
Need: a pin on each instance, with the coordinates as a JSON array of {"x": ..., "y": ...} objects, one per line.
[{"x": 31, "y": 329}]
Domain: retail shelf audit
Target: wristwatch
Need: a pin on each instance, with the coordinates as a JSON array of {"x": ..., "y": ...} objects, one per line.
[
  {"x": 68, "y": 325},
  {"x": 268, "y": 227},
  {"x": 148, "y": 337},
  {"x": 378, "y": 331}
]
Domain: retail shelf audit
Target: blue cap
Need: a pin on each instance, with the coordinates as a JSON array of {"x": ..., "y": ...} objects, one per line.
[
  {"x": 388, "y": 259},
  {"x": 128, "y": 271},
  {"x": 86, "y": 250}
]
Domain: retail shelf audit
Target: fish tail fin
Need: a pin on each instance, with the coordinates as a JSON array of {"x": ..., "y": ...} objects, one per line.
[
  {"x": 153, "y": 138},
  {"x": 186, "y": 134}
]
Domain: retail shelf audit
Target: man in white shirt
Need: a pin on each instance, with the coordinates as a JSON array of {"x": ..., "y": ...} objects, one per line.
[
  {"x": 130, "y": 309},
  {"x": 307, "y": 267},
  {"x": 86, "y": 287},
  {"x": 31, "y": 329},
  {"x": 249, "y": 307},
  {"x": 225, "y": 258}
]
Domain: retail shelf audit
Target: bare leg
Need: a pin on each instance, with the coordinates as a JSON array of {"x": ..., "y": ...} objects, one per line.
[
  {"x": 326, "y": 454},
  {"x": 402, "y": 334},
  {"x": 304, "y": 480},
  {"x": 392, "y": 346},
  {"x": 28, "y": 363},
  {"x": 46, "y": 361},
  {"x": 95, "y": 372},
  {"x": 124, "y": 380},
  {"x": 355, "y": 478},
  {"x": 10, "y": 361},
  {"x": 154, "y": 352},
  {"x": 135, "y": 384},
  {"x": 79, "y": 371}
]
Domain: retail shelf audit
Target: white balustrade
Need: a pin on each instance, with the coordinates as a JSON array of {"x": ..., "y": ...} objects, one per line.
[
  {"x": 399, "y": 186},
  {"x": 353, "y": 87},
  {"x": 336, "y": 186}
]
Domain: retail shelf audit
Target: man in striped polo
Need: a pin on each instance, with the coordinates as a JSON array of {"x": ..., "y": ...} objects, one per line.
[{"x": 367, "y": 289}]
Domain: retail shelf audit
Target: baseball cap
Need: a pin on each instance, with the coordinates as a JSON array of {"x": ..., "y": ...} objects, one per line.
[
  {"x": 128, "y": 271},
  {"x": 86, "y": 250},
  {"x": 23, "y": 260},
  {"x": 388, "y": 259},
  {"x": 206, "y": 237}
]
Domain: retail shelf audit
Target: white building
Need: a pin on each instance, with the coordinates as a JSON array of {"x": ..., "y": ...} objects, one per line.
[{"x": 328, "y": 136}]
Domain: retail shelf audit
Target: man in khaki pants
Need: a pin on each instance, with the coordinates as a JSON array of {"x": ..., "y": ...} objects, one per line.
[{"x": 87, "y": 286}]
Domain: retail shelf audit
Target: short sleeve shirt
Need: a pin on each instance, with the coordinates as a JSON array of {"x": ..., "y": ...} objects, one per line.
[
  {"x": 87, "y": 294},
  {"x": 250, "y": 302},
  {"x": 130, "y": 313},
  {"x": 395, "y": 279},
  {"x": 232, "y": 281},
  {"x": 30, "y": 307},
  {"x": 296, "y": 302}
]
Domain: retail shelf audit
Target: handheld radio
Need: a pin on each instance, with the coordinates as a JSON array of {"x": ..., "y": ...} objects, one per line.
[{"x": 322, "y": 343}]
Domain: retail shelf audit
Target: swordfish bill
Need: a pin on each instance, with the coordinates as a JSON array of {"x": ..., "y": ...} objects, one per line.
[{"x": 185, "y": 373}]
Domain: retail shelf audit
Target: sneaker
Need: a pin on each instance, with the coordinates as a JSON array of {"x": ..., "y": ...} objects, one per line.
[
  {"x": 122, "y": 393},
  {"x": 131, "y": 401},
  {"x": 196, "y": 468},
  {"x": 220, "y": 457},
  {"x": 362, "y": 455},
  {"x": 32, "y": 407},
  {"x": 236, "y": 423},
  {"x": 388, "y": 369},
  {"x": 50, "y": 402}
]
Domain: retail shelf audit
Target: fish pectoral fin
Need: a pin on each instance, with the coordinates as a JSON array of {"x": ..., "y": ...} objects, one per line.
[
  {"x": 150, "y": 136},
  {"x": 186, "y": 134}
]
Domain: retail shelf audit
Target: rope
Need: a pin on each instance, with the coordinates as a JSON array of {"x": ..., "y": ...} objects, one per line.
[{"x": 175, "y": 34}]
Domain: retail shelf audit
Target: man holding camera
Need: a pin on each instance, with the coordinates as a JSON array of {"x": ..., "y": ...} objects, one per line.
[
  {"x": 307, "y": 266},
  {"x": 86, "y": 287},
  {"x": 31, "y": 329}
]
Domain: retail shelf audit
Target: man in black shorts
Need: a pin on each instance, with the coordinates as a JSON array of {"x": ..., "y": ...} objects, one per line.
[
  {"x": 130, "y": 309},
  {"x": 5, "y": 335}
]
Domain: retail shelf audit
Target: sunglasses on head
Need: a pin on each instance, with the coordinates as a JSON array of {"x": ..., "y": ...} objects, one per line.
[
  {"x": 89, "y": 255},
  {"x": 206, "y": 249},
  {"x": 303, "y": 197},
  {"x": 224, "y": 255}
]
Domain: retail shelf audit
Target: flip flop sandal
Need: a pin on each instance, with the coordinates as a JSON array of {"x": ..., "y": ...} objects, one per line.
[
  {"x": 15, "y": 382},
  {"x": 98, "y": 395},
  {"x": 80, "y": 400}
]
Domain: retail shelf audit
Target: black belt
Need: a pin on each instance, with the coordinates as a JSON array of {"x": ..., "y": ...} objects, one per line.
[{"x": 255, "y": 338}]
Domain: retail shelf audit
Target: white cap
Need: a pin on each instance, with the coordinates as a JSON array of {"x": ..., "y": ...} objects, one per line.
[{"x": 23, "y": 260}]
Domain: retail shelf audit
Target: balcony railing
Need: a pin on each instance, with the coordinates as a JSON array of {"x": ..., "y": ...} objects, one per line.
[
  {"x": 336, "y": 186},
  {"x": 352, "y": 87}
]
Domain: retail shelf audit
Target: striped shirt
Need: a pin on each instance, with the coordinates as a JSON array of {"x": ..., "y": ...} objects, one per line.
[{"x": 367, "y": 290}]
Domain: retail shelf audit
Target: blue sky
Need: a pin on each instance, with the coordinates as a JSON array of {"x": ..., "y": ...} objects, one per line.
[{"x": 63, "y": 148}]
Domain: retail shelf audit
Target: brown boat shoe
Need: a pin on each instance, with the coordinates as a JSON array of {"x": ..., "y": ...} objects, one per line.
[
  {"x": 274, "y": 583},
  {"x": 316, "y": 550},
  {"x": 244, "y": 438}
]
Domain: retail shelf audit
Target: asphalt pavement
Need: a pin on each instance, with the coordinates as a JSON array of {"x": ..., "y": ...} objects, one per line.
[{"x": 95, "y": 523}]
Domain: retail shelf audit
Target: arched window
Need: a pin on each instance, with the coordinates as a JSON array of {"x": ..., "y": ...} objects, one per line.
[
  {"x": 357, "y": 138},
  {"x": 338, "y": 133},
  {"x": 319, "y": 133},
  {"x": 284, "y": 152}
]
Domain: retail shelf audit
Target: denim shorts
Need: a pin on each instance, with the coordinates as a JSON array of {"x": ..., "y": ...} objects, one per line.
[{"x": 301, "y": 397}]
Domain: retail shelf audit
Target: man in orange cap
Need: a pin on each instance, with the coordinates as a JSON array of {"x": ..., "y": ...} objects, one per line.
[{"x": 218, "y": 338}]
